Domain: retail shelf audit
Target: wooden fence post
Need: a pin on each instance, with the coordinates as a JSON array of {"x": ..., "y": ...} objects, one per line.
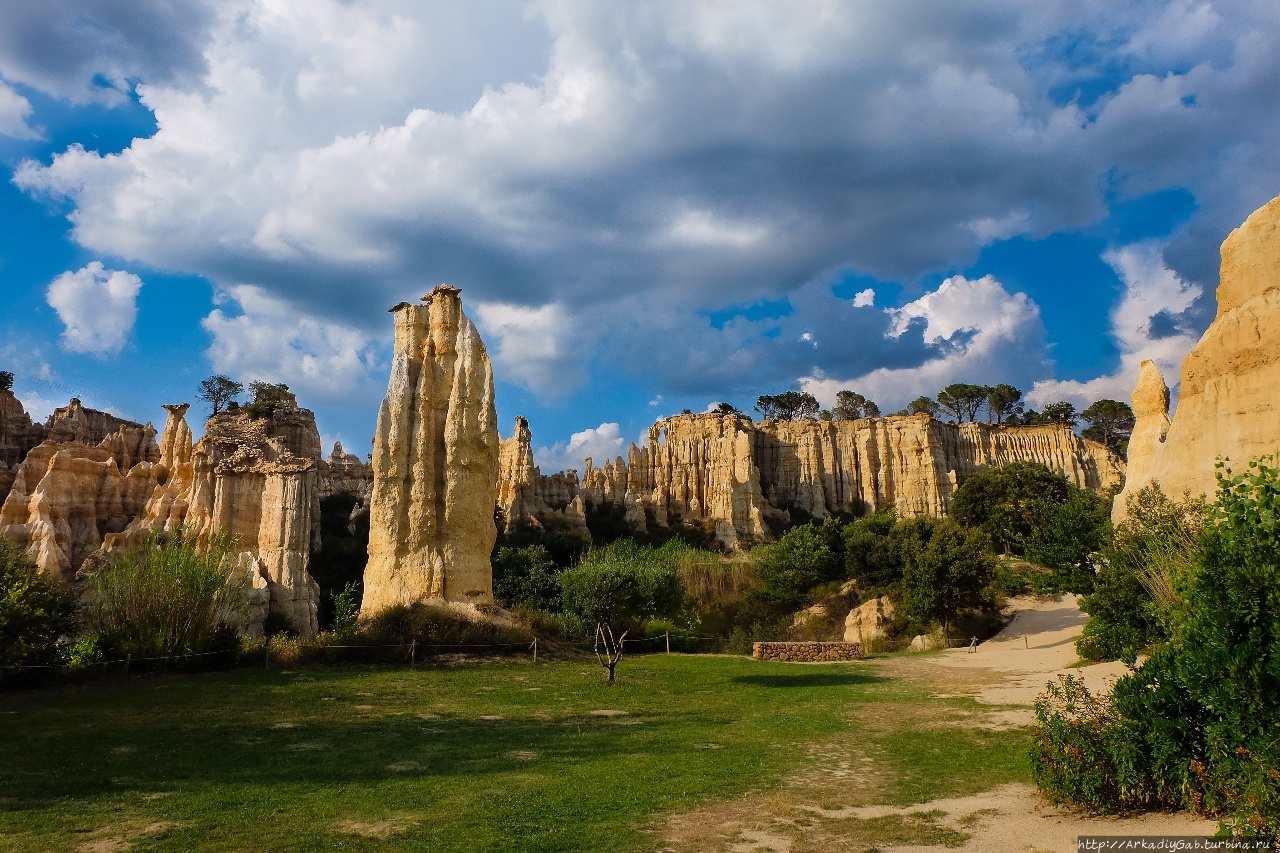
[
  {"x": 535, "y": 649},
  {"x": 266, "y": 652},
  {"x": 668, "y": 642},
  {"x": 413, "y": 652}
]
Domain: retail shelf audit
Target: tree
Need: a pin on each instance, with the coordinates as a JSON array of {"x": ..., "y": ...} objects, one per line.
[
  {"x": 1060, "y": 413},
  {"x": 34, "y": 613},
  {"x": 1070, "y": 536},
  {"x": 723, "y": 408},
  {"x": 787, "y": 406},
  {"x": 218, "y": 391},
  {"x": 945, "y": 570},
  {"x": 850, "y": 406},
  {"x": 1009, "y": 503},
  {"x": 1003, "y": 402},
  {"x": 269, "y": 392},
  {"x": 871, "y": 553},
  {"x": 6, "y": 380},
  {"x": 963, "y": 401},
  {"x": 527, "y": 576},
  {"x": 923, "y": 406},
  {"x": 788, "y": 569},
  {"x": 1111, "y": 423},
  {"x": 621, "y": 584}
]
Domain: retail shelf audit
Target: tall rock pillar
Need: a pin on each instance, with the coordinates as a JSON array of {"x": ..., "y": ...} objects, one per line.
[{"x": 435, "y": 462}]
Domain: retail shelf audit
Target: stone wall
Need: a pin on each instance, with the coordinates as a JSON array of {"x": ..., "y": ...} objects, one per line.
[{"x": 806, "y": 652}]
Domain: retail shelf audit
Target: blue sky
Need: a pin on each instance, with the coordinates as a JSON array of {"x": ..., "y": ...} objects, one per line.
[{"x": 648, "y": 207}]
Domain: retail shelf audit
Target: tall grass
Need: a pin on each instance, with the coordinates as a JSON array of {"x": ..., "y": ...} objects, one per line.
[
  {"x": 710, "y": 578},
  {"x": 168, "y": 596}
]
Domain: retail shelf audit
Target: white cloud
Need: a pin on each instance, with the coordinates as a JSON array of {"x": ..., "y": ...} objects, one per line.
[
  {"x": 865, "y": 298},
  {"x": 979, "y": 332},
  {"x": 542, "y": 348},
  {"x": 98, "y": 307},
  {"x": 38, "y": 406},
  {"x": 600, "y": 444},
  {"x": 1152, "y": 294},
  {"x": 14, "y": 112},
  {"x": 270, "y": 341}
]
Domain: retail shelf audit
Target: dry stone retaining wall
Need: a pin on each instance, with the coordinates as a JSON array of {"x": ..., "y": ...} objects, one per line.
[{"x": 807, "y": 652}]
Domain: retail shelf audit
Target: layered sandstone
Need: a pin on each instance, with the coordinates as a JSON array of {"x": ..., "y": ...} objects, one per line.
[
  {"x": 1227, "y": 399},
  {"x": 254, "y": 479},
  {"x": 345, "y": 473},
  {"x": 533, "y": 500},
  {"x": 748, "y": 480},
  {"x": 869, "y": 621},
  {"x": 435, "y": 462},
  {"x": 18, "y": 435}
]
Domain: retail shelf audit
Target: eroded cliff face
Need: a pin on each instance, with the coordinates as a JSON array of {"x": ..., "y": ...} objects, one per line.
[
  {"x": 528, "y": 498},
  {"x": 255, "y": 480},
  {"x": 18, "y": 435},
  {"x": 345, "y": 473},
  {"x": 747, "y": 480},
  {"x": 1227, "y": 402},
  {"x": 68, "y": 494},
  {"x": 435, "y": 462}
]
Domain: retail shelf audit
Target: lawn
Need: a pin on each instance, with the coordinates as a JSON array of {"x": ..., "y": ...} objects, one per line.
[{"x": 493, "y": 756}]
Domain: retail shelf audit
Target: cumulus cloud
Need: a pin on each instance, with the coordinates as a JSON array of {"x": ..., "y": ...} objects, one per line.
[
  {"x": 1153, "y": 320},
  {"x": 271, "y": 341},
  {"x": 98, "y": 306},
  {"x": 976, "y": 331},
  {"x": 600, "y": 444},
  {"x": 593, "y": 172},
  {"x": 14, "y": 111}
]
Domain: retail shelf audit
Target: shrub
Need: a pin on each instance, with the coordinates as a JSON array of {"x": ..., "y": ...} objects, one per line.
[
  {"x": 34, "y": 613},
  {"x": 802, "y": 559},
  {"x": 346, "y": 611},
  {"x": 1195, "y": 727},
  {"x": 871, "y": 553},
  {"x": 623, "y": 583},
  {"x": 1009, "y": 503},
  {"x": 1069, "y": 536},
  {"x": 436, "y": 628},
  {"x": 946, "y": 569},
  {"x": 527, "y": 576},
  {"x": 167, "y": 597}
]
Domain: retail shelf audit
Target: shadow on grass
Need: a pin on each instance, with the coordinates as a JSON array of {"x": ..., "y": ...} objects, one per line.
[{"x": 809, "y": 679}]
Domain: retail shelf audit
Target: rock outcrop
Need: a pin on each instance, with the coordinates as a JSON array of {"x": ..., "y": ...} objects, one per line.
[
  {"x": 748, "y": 480},
  {"x": 868, "y": 621},
  {"x": 435, "y": 462},
  {"x": 345, "y": 473},
  {"x": 18, "y": 435},
  {"x": 1227, "y": 404},
  {"x": 530, "y": 499},
  {"x": 254, "y": 479}
]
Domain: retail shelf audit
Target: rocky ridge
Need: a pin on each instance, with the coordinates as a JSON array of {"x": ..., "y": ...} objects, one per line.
[
  {"x": 435, "y": 462},
  {"x": 528, "y": 498},
  {"x": 345, "y": 473},
  {"x": 1227, "y": 403}
]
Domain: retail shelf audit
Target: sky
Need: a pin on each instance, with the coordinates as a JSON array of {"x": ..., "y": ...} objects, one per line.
[{"x": 649, "y": 207}]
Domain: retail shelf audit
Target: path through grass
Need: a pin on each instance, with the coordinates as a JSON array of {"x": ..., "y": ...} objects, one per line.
[{"x": 502, "y": 756}]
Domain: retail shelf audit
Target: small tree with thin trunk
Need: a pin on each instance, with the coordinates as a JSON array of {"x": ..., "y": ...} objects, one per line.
[
  {"x": 946, "y": 569},
  {"x": 218, "y": 391},
  {"x": 617, "y": 587},
  {"x": 6, "y": 380},
  {"x": 1004, "y": 402}
]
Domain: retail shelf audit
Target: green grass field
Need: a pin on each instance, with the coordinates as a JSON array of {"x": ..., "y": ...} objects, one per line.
[{"x": 494, "y": 756}]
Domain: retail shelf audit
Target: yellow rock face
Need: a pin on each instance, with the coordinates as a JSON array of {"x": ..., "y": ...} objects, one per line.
[
  {"x": 1227, "y": 405},
  {"x": 528, "y": 498},
  {"x": 435, "y": 463}
]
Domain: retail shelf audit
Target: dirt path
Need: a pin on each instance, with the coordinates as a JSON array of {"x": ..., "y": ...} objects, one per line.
[{"x": 1008, "y": 671}]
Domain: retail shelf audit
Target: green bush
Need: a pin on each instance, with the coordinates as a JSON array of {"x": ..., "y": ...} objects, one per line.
[
  {"x": 1009, "y": 503},
  {"x": 167, "y": 597},
  {"x": 871, "y": 553},
  {"x": 624, "y": 583},
  {"x": 1069, "y": 536},
  {"x": 346, "y": 611},
  {"x": 436, "y": 629},
  {"x": 803, "y": 558},
  {"x": 1157, "y": 535},
  {"x": 527, "y": 576},
  {"x": 1196, "y": 726},
  {"x": 35, "y": 612},
  {"x": 946, "y": 569}
]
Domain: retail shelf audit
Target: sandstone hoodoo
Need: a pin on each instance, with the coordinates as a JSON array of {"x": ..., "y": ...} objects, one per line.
[
  {"x": 18, "y": 435},
  {"x": 1227, "y": 403},
  {"x": 533, "y": 500},
  {"x": 435, "y": 462},
  {"x": 344, "y": 473}
]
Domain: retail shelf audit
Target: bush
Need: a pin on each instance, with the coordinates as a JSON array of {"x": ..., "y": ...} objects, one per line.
[
  {"x": 527, "y": 576},
  {"x": 35, "y": 612},
  {"x": 437, "y": 629},
  {"x": 346, "y": 611},
  {"x": 1009, "y": 503},
  {"x": 1158, "y": 536},
  {"x": 1069, "y": 537},
  {"x": 167, "y": 597},
  {"x": 871, "y": 553},
  {"x": 802, "y": 559},
  {"x": 946, "y": 569},
  {"x": 624, "y": 583},
  {"x": 1194, "y": 727}
]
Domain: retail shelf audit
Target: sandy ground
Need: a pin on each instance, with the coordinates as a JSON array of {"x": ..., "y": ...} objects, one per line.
[{"x": 1008, "y": 671}]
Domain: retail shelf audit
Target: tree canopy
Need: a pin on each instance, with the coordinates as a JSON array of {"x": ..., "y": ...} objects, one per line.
[
  {"x": 1110, "y": 423},
  {"x": 1003, "y": 402},
  {"x": 963, "y": 401},
  {"x": 6, "y": 380},
  {"x": 787, "y": 406},
  {"x": 923, "y": 406},
  {"x": 1008, "y": 503},
  {"x": 850, "y": 406},
  {"x": 946, "y": 569},
  {"x": 218, "y": 391}
]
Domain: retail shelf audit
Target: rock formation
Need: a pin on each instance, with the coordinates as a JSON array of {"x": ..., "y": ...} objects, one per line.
[
  {"x": 1227, "y": 402},
  {"x": 87, "y": 479},
  {"x": 748, "y": 480},
  {"x": 256, "y": 479},
  {"x": 17, "y": 436},
  {"x": 435, "y": 462},
  {"x": 868, "y": 621},
  {"x": 528, "y": 498},
  {"x": 344, "y": 473}
]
